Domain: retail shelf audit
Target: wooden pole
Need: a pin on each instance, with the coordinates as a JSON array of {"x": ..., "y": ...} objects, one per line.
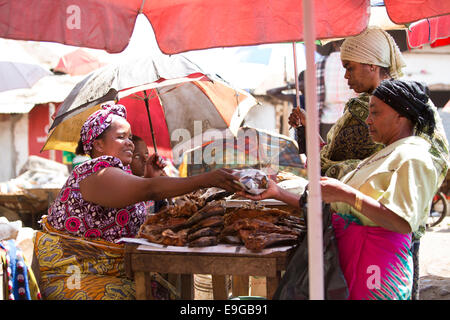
[{"x": 314, "y": 214}]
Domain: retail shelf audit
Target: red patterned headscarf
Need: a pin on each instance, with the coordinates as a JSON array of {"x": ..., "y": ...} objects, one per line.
[{"x": 98, "y": 122}]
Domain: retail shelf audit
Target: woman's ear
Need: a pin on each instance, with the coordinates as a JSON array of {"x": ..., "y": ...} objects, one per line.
[
  {"x": 404, "y": 122},
  {"x": 97, "y": 145}
]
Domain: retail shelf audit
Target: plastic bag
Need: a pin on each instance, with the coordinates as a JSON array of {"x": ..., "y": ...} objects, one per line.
[
  {"x": 253, "y": 181},
  {"x": 295, "y": 282}
]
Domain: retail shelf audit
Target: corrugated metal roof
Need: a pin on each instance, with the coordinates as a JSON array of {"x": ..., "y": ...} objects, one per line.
[{"x": 16, "y": 107}]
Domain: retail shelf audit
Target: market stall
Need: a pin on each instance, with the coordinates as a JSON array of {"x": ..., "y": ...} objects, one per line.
[
  {"x": 216, "y": 233},
  {"x": 28, "y": 196},
  {"x": 219, "y": 261}
]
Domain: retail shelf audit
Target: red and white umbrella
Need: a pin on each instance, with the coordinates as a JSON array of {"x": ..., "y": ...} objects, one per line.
[
  {"x": 433, "y": 31},
  {"x": 78, "y": 62},
  {"x": 183, "y": 25}
]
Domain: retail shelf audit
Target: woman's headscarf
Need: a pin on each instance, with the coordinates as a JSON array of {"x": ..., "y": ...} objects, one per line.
[
  {"x": 374, "y": 46},
  {"x": 409, "y": 99},
  {"x": 98, "y": 122}
]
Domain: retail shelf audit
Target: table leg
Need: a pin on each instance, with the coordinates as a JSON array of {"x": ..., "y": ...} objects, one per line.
[
  {"x": 272, "y": 284},
  {"x": 187, "y": 287},
  {"x": 174, "y": 279},
  {"x": 33, "y": 221},
  {"x": 142, "y": 281},
  {"x": 219, "y": 287},
  {"x": 240, "y": 285}
]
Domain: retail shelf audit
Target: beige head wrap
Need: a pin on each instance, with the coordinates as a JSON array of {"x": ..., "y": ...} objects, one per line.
[{"x": 374, "y": 46}]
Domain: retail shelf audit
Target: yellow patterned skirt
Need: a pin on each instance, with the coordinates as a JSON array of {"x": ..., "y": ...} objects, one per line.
[{"x": 73, "y": 268}]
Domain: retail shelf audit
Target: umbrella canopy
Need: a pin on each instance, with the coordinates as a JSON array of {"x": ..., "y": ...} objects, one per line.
[
  {"x": 18, "y": 75},
  {"x": 433, "y": 31},
  {"x": 78, "y": 62},
  {"x": 105, "y": 84},
  {"x": 109, "y": 24},
  {"x": 182, "y": 102},
  {"x": 249, "y": 148}
]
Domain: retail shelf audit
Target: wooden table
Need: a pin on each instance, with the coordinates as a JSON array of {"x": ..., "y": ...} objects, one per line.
[
  {"x": 29, "y": 204},
  {"x": 218, "y": 261}
]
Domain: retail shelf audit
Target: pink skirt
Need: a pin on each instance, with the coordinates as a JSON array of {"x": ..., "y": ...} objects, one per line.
[{"x": 377, "y": 263}]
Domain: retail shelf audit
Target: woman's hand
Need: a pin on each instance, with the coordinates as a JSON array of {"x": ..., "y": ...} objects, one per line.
[
  {"x": 222, "y": 178},
  {"x": 297, "y": 118},
  {"x": 272, "y": 192},
  {"x": 334, "y": 190},
  {"x": 275, "y": 192},
  {"x": 154, "y": 166}
]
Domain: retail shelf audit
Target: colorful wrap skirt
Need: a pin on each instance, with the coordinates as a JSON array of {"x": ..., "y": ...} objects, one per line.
[
  {"x": 73, "y": 268},
  {"x": 377, "y": 263}
]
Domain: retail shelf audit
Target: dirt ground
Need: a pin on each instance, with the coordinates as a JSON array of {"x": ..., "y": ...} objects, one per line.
[{"x": 434, "y": 263}]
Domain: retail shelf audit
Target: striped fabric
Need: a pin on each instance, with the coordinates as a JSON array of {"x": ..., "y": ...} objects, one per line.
[{"x": 251, "y": 149}]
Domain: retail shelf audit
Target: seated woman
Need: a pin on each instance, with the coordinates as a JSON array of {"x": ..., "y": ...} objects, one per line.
[
  {"x": 100, "y": 203},
  {"x": 387, "y": 197}
]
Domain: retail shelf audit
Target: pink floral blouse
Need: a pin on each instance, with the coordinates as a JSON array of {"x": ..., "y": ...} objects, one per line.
[{"x": 78, "y": 217}]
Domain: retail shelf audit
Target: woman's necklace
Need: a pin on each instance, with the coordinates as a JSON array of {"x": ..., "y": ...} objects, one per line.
[{"x": 368, "y": 161}]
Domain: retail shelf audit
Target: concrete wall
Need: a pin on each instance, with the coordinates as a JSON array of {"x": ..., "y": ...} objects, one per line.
[
  {"x": 7, "y": 150},
  {"x": 21, "y": 142},
  {"x": 14, "y": 143}
]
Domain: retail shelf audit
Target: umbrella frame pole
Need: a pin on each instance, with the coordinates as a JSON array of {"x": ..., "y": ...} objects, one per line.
[
  {"x": 150, "y": 121},
  {"x": 314, "y": 221},
  {"x": 297, "y": 89}
]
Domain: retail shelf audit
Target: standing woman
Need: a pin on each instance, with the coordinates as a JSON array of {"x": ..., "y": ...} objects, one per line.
[
  {"x": 386, "y": 198},
  {"x": 369, "y": 58},
  {"x": 101, "y": 202}
]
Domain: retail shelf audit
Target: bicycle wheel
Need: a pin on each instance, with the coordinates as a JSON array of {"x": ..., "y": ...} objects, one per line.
[{"x": 438, "y": 210}]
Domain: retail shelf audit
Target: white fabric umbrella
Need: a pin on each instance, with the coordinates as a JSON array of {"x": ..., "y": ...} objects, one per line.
[{"x": 18, "y": 75}]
